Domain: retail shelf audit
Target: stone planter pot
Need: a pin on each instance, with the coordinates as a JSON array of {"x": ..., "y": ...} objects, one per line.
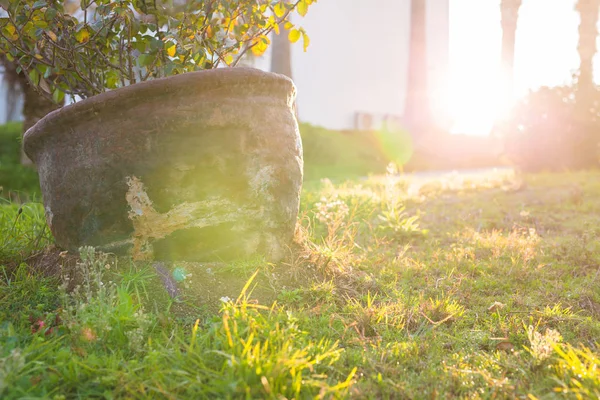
[{"x": 202, "y": 166}]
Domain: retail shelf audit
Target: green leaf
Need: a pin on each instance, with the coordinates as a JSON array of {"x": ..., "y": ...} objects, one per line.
[
  {"x": 58, "y": 96},
  {"x": 145, "y": 60},
  {"x": 139, "y": 45},
  {"x": 50, "y": 14},
  {"x": 96, "y": 25},
  {"x": 39, "y": 4},
  {"x": 40, "y": 31},
  {"x": 155, "y": 44},
  {"x": 112, "y": 80},
  {"x": 34, "y": 76},
  {"x": 169, "y": 68}
]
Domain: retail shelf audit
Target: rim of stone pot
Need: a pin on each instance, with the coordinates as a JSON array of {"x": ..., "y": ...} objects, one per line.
[{"x": 191, "y": 83}]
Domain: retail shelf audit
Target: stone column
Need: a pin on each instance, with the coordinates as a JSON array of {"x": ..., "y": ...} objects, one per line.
[
  {"x": 509, "y": 10},
  {"x": 588, "y": 33},
  {"x": 417, "y": 111},
  {"x": 281, "y": 56}
]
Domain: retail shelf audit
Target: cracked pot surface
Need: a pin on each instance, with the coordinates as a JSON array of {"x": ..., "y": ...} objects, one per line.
[{"x": 202, "y": 166}]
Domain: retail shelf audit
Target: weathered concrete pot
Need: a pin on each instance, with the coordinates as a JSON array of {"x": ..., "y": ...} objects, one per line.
[{"x": 202, "y": 166}]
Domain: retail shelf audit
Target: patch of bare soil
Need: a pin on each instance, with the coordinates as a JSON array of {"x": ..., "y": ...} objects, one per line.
[{"x": 52, "y": 262}]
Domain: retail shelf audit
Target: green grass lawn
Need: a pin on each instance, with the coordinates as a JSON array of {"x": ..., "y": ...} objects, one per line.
[{"x": 483, "y": 288}]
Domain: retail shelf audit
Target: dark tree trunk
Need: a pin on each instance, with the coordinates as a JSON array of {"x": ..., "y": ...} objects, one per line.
[
  {"x": 417, "y": 112},
  {"x": 35, "y": 107},
  {"x": 584, "y": 136}
]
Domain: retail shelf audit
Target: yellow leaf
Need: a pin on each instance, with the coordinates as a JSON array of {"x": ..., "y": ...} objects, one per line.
[
  {"x": 82, "y": 36},
  {"x": 288, "y": 25},
  {"x": 302, "y": 8},
  {"x": 52, "y": 36},
  {"x": 171, "y": 50},
  {"x": 11, "y": 31},
  {"x": 271, "y": 21},
  {"x": 279, "y": 9},
  {"x": 260, "y": 45},
  {"x": 227, "y": 24},
  {"x": 228, "y": 59},
  {"x": 294, "y": 35},
  {"x": 306, "y": 40},
  {"x": 10, "y": 28}
]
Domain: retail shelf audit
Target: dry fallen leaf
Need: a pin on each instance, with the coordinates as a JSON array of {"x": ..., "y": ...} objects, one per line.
[
  {"x": 496, "y": 306},
  {"x": 505, "y": 346}
]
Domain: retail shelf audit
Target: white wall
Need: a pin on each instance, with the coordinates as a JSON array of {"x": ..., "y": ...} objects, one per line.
[
  {"x": 357, "y": 60},
  {"x": 438, "y": 58},
  {"x": 4, "y": 99}
]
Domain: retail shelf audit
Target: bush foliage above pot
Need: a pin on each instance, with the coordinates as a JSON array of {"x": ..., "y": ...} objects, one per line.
[{"x": 84, "y": 48}]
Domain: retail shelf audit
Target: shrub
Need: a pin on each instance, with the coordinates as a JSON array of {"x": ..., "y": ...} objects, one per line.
[
  {"x": 109, "y": 44},
  {"x": 16, "y": 181},
  {"x": 10, "y": 146},
  {"x": 552, "y": 130},
  {"x": 340, "y": 155}
]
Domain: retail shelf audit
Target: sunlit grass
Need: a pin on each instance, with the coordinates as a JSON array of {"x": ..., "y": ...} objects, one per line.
[
  {"x": 23, "y": 230},
  {"x": 470, "y": 288}
]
